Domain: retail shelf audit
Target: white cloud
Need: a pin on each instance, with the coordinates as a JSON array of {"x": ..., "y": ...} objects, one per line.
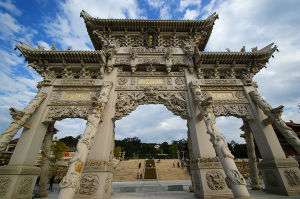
[
  {"x": 68, "y": 29},
  {"x": 230, "y": 128},
  {"x": 173, "y": 123},
  {"x": 155, "y": 3},
  {"x": 9, "y": 26},
  {"x": 186, "y": 3},
  {"x": 70, "y": 127},
  {"x": 44, "y": 44},
  {"x": 18, "y": 83},
  {"x": 165, "y": 12},
  {"x": 152, "y": 123},
  {"x": 191, "y": 14},
  {"x": 8, "y": 60},
  {"x": 10, "y": 7}
]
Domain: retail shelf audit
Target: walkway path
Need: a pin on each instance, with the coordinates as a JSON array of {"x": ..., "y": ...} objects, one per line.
[{"x": 160, "y": 190}]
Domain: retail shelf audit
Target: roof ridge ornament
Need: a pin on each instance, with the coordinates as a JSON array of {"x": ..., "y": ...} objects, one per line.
[
  {"x": 85, "y": 15},
  {"x": 150, "y": 38},
  {"x": 269, "y": 48},
  {"x": 213, "y": 17}
]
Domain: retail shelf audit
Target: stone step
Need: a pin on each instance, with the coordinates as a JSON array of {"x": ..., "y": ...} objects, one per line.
[{"x": 127, "y": 170}]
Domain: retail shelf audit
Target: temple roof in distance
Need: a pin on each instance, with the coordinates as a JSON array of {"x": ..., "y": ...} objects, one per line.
[{"x": 138, "y": 25}]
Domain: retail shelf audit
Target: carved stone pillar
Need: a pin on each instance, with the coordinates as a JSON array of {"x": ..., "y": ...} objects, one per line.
[
  {"x": 20, "y": 119},
  {"x": 19, "y": 176},
  {"x": 274, "y": 117},
  {"x": 234, "y": 179},
  {"x": 191, "y": 154},
  {"x": 281, "y": 175},
  {"x": 71, "y": 181},
  {"x": 97, "y": 177},
  {"x": 251, "y": 156},
  {"x": 208, "y": 176},
  {"x": 42, "y": 192}
]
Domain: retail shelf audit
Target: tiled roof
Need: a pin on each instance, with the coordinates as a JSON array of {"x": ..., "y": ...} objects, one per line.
[{"x": 136, "y": 25}]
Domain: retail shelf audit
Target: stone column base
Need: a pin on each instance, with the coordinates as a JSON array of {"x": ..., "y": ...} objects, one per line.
[
  {"x": 281, "y": 176},
  {"x": 209, "y": 179},
  {"x": 42, "y": 193},
  {"x": 17, "y": 181},
  {"x": 96, "y": 180}
]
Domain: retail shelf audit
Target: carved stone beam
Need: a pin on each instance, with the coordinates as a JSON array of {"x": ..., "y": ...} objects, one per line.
[
  {"x": 20, "y": 119},
  {"x": 274, "y": 116},
  {"x": 133, "y": 62},
  {"x": 216, "y": 70},
  {"x": 71, "y": 180},
  {"x": 102, "y": 68},
  {"x": 109, "y": 66},
  {"x": 234, "y": 179},
  {"x": 232, "y": 69},
  {"x": 83, "y": 69},
  {"x": 200, "y": 74},
  {"x": 168, "y": 62},
  {"x": 191, "y": 68}
]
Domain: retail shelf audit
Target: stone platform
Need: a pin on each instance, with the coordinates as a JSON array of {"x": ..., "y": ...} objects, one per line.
[{"x": 159, "y": 190}]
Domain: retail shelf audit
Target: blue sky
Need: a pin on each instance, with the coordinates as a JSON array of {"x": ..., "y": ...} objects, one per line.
[{"x": 241, "y": 23}]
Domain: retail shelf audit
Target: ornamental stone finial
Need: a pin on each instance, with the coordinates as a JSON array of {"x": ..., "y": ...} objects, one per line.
[
  {"x": 274, "y": 117},
  {"x": 20, "y": 119}
]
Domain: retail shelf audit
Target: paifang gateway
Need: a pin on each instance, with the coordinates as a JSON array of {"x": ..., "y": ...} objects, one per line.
[{"x": 148, "y": 62}]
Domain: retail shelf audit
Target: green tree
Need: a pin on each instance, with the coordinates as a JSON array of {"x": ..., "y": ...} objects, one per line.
[
  {"x": 165, "y": 147},
  {"x": 58, "y": 150},
  {"x": 173, "y": 150},
  {"x": 117, "y": 151},
  {"x": 240, "y": 151},
  {"x": 70, "y": 141}
]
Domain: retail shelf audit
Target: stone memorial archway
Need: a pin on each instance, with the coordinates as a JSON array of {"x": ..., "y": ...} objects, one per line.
[{"x": 148, "y": 62}]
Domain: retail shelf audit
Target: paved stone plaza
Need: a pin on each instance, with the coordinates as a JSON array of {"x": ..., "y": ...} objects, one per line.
[{"x": 159, "y": 189}]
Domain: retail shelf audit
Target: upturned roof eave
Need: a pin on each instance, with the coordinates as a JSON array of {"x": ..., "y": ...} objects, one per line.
[{"x": 33, "y": 54}]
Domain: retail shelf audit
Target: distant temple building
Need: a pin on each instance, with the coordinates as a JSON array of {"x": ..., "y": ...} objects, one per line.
[{"x": 287, "y": 148}]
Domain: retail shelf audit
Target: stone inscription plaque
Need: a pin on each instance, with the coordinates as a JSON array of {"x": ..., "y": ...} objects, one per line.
[
  {"x": 222, "y": 95},
  {"x": 151, "y": 81},
  {"x": 76, "y": 96}
]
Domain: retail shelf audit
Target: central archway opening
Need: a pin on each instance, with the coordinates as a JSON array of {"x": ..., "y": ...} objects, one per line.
[{"x": 151, "y": 136}]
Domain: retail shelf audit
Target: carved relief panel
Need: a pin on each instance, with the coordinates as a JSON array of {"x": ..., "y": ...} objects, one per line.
[
  {"x": 228, "y": 97},
  {"x": 150, "y": 88},
  {"x": 141, "y": 80},
  {"x": 70, "y": 99},
  {"x": 128, "y": 101}
]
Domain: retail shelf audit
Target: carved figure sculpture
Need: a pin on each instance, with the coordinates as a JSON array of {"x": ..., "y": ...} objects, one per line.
[
  {"x": 19, "y": 119},
  {"x": 274, "y": 117},
  {"x": 70, "y": 183},
  {"x": 234, "y": 179},
  {"x": 215, "y": 180}
]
